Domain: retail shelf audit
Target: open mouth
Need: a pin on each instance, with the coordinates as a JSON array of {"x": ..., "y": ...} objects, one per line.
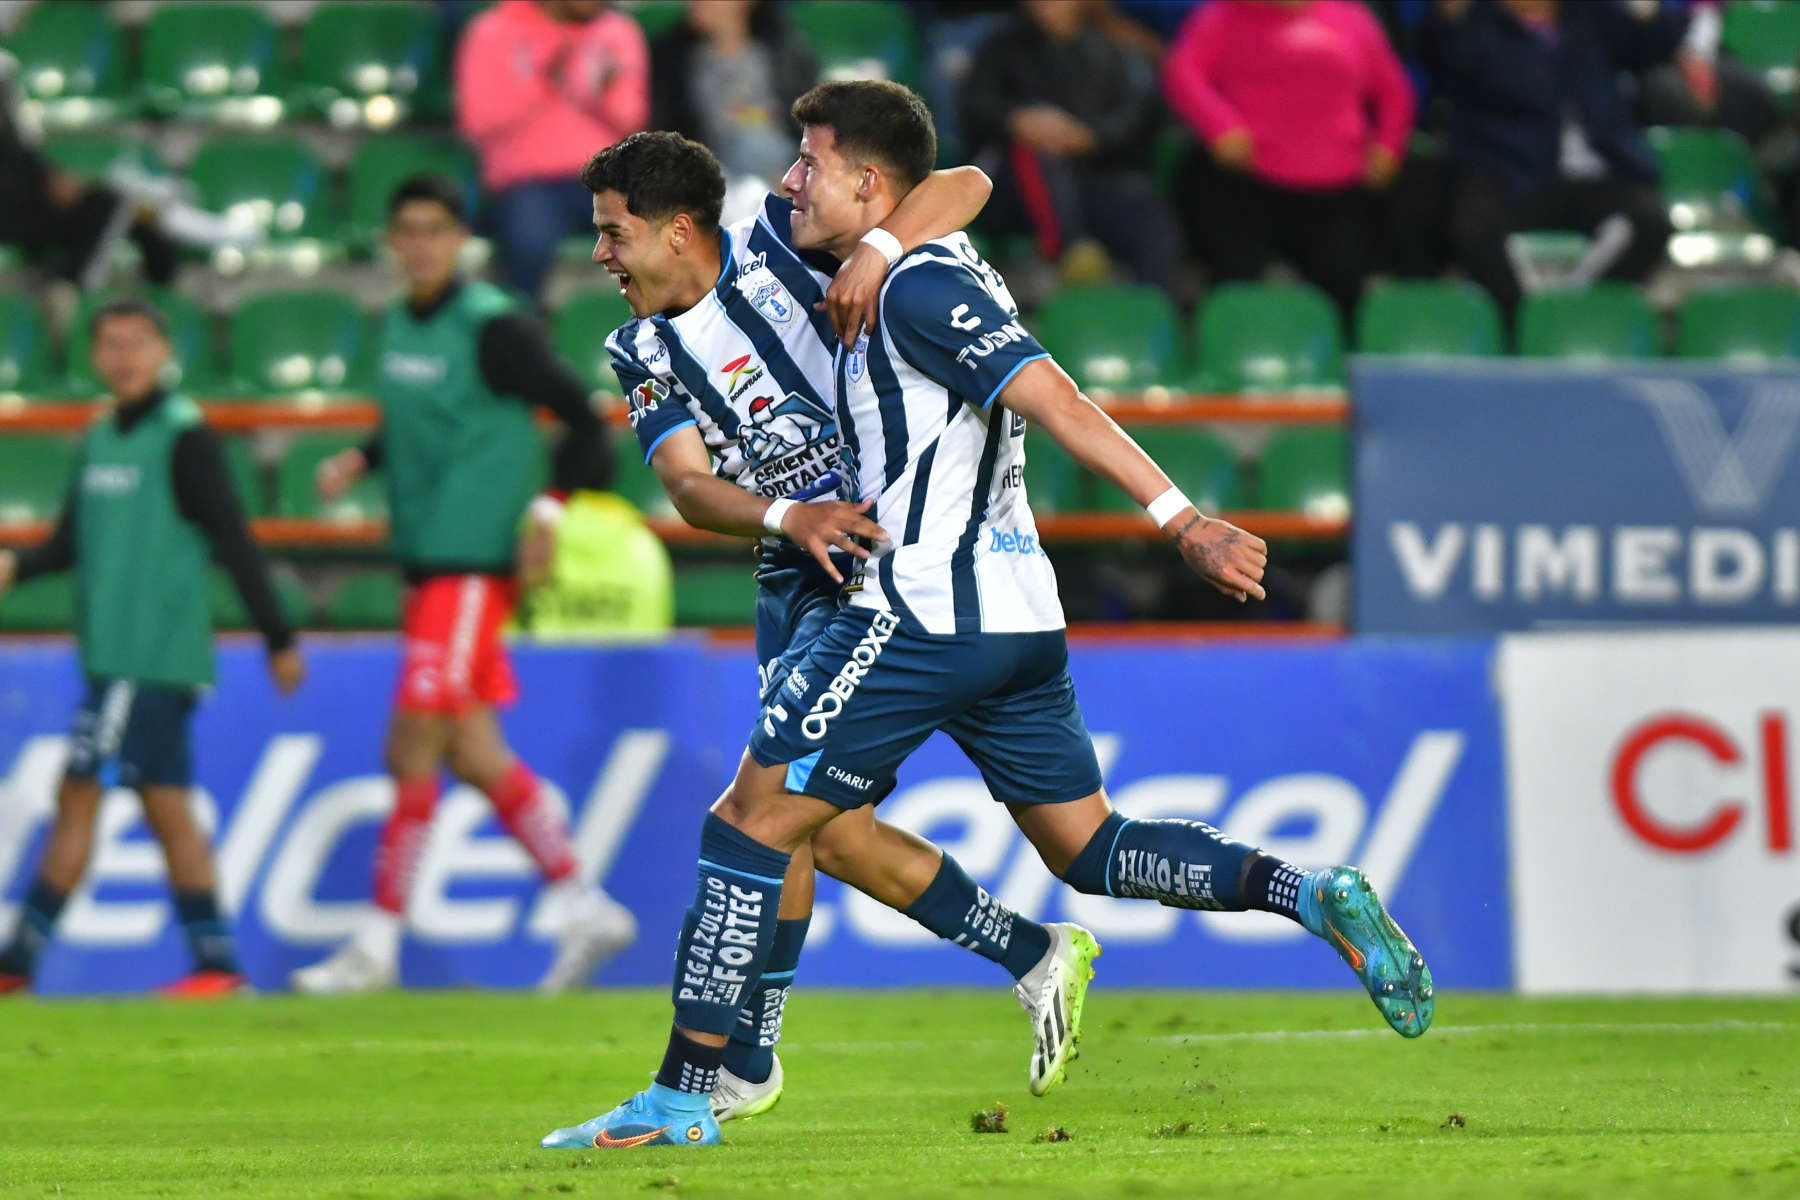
[{"x": 624, "y": 278}]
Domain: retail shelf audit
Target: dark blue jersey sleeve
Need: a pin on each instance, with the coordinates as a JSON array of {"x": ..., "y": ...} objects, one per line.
[
  {"x": 656, "y": 410},
  {"x": 950, "y": 328}
]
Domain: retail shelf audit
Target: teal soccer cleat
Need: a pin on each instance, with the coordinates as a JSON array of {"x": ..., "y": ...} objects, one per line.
[
  {"x": 637, "y": 1122},
  {"x": 1339, "y": 905}
]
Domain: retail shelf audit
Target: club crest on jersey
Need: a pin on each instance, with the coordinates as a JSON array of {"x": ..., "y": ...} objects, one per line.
[
  {"x": 858, "y": 361},
  {"x": 767, "y": 296},
  {"x": 645, "y": 397}
]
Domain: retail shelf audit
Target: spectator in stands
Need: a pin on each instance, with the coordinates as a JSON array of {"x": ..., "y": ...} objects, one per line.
[
  {"x": 1542, "y": 136},
  {"x": 540, "y": 85},
  {"x": 726, "y": 77},
  {"x": 1061, "y": 116},
  {"x": 1302, "y": 110}
]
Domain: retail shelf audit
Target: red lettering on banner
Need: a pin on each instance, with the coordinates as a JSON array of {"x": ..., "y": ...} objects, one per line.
[
  {"x": 1775, "y": 781},
  {"x": 1631, "y": 808}
]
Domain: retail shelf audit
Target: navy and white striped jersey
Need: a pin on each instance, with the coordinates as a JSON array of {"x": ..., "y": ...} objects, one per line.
[
  {"x": 943, "y": 462},
  {"x": 750, "y": 365}
]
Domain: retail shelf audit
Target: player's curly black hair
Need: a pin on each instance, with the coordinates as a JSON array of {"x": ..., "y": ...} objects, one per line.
[
  {"x": 661, "y": 174},
  {"x": 875, "y": 120}
]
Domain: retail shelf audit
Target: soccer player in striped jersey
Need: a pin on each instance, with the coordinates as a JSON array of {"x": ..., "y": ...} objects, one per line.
[
  {"x": 728, "y": 367},
  {"x": 954, "y": 624}
]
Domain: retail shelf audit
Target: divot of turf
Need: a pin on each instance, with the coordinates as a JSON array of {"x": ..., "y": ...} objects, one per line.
[{"x": 989, "y": 1120}]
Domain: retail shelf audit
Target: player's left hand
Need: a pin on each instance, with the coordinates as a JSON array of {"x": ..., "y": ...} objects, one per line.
[
  {"x": 288, "y": 669},
  {"x": 1220, "y": 553},
  {"x": 9, "y": 565},
  {"x": 854, "y": 293},
  {"x": 537, "y": 545},
  {"x": 821, "y": 526}
]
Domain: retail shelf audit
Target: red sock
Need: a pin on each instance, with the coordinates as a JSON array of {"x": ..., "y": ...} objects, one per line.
[
  {"x": 534, "y": 821},
  {"x": 403, "y": 840}
]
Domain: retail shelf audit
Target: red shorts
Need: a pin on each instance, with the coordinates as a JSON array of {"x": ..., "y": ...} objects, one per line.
[{"x": 452, "y": 657}]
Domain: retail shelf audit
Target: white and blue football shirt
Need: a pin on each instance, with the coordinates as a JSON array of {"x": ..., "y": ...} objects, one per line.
[{"x": 943, "y": 462}]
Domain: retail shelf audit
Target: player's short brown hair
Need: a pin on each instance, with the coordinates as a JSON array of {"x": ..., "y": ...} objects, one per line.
[{"x": 874, "y": 120}]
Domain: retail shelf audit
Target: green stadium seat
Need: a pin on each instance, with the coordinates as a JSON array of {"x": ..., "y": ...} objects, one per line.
[
  {"x": 190, "y": 336},
  {"x": 297, "y": 342},
  {"x": 72, "y": 64},
  {"x": 1428, "y": 319},
  {"x": 246, "y": 475},
  {"x": 1764, "y": 35},
  {"x": 1201, "y": 463},
  {"x": 1306, "y": 469},
  {"x": 229, "y": 611},
  {"x": 860, "y": 39},
  {"x": 715, "y": 594},
  {"x": 296, "y": 496},
  {"x": 1265, "y": 337},
  {"x": 579, "y": 332},
  {"x": 1740, "y": 324},
  {"x": 24, "y": 347},
  {"x": 1596, "y": 323},
  {"x": 219, "y": 61},
  {"x": 363, "y": 65},
  {"x": 381, "y": 164},
  {"x": 35, "y": 473},
  {"x": 634, "y": 479},
  {"x": 1119, "y": 338},
  {"x": 656, "y": 17},
  {"x": 93, "y": 155},
  {"x": 1054, "y": 482},
  {"x": 42, "y": 605},
  {"x": 366, "y": 600},
  {"x": 1711, "y": 180},
  {"x": 276, "y": 181}
]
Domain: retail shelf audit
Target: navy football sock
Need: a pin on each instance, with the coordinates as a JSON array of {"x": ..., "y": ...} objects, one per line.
[
  {"x": 689, "y": 1071},
  {"x": 207, "y": 932},
  {"x": 37, "y": 924},
  {"x": 957, "y": 910},
  {"x": 1183, "y": 864},
  {"x": 750, "y": 1054},
  {"x": 729, "y": 930}
]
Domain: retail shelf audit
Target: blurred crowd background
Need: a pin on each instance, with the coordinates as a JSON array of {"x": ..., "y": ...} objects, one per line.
[{"x": 1205, "y": 207}]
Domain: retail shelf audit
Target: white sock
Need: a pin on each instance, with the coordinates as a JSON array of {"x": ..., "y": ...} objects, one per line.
[{"x": 379, "y": 936}]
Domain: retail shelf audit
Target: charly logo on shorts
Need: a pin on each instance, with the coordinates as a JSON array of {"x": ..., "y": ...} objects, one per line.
[{"x": 843, "y": 685}]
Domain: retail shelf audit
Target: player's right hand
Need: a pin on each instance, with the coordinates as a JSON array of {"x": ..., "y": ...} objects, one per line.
[
  {"x": 821, "y": 526},
  {"x": 1220, "y": 553},
  {"x": 9, "y": 565},
  {"x": 288, "y": 669},
  {"x": 334, "y": 475}
]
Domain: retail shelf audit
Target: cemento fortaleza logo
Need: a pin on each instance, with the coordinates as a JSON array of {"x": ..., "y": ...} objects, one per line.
[{"x": 830, "y": 703}]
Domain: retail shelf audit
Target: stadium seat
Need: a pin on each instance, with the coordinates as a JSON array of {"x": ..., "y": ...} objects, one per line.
[
  {"x": 1119, "y": 338},
  {"x": 307, "y": 341},
  {"x": 1740, "y": 324},
  {"x": 1764, "y": 35},
  {"x": 277, "y": 181},
  {"x": 1054, "y": 482},
  {"x": 72, "y": 64},
  {"x": 296, "y": 496},
  {"x": 190, "y": 336},
  {"x": 657, "y": 17},
  {"x": 35, "y": 472},
  {"x": 366, "y": 600},
  {"x": 220, "y": 61},
  {"x": 859, "y": 39},
  {"x": 1262, "y": 337},
  {"x": 93, "y": 155},
  {"x": 246, "y": 474},
  {"x": 1306, "y": 469},
  {"x": 1428, "y": 319},
  {"x": 1711, "y": 180},
  {"x": 634, "y": 479},
  {"x": 715, "y": 594},
  {"x": 24, "y": 347},
  {"x": 42, "y": 605},
  {"x": 1200, "y": 462},
  {"x": 363, "y": 65},
  {"x": 381, "y": 164},
  {"x": 579, "y": 331},
  {"x": 229, "y": 611},
  {"x": 1603, "y": 321}
]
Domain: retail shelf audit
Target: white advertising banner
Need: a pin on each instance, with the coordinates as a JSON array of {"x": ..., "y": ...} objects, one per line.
[{"x": 1652, "y": 821}]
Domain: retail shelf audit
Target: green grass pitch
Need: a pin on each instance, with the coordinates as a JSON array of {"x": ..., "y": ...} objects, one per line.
[{"x": 1211, "y": 1095}]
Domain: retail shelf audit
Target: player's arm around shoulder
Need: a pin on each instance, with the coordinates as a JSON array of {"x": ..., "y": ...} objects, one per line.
[{"x": 1227, "y": 557}]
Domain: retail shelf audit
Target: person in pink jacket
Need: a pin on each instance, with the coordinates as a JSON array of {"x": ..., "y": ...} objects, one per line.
[
  {"x": 1302, "y": 109},
  {"x": 540, "y": 86}
]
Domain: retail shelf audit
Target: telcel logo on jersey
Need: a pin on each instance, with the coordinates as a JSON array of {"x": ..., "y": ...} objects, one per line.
[
  {"x": 843, "y": 685},
  {"x": 1013, "y": 541}
]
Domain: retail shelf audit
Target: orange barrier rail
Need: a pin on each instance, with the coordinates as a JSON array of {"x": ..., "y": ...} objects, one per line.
[{"x": 241, "y": 415}]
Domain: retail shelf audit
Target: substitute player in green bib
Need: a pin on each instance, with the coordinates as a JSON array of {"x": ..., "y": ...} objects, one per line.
[
  {"x": 150, "y": 506},
  {"x": 460, "y": 375}
]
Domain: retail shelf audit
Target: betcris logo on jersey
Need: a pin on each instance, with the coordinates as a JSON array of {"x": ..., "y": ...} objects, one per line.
[{"x": 1255, "y": 740}]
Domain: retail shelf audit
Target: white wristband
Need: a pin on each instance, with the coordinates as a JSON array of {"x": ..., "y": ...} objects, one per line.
[
  {"x": 772, "y": 515},
  {"x": 887, "y": 243},
  {"x": 1167, "y": 507}
]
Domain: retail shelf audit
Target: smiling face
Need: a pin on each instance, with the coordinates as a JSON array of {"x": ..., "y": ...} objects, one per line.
[
  {"x": 640, "y": 254},
  {"x": 830, "y": 194}
]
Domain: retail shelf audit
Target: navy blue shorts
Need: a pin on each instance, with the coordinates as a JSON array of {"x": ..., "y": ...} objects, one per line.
[
  {"x": 133, "y": 734},
  {"x": 795, "y": 600},
  {"x": 868, "y": 692}
]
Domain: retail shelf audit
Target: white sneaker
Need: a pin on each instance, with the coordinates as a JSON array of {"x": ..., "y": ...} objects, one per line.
[
  {"x": 1053, "y": 994},
  {"x": 352, "y": 969},
  {"x": 597, "y": 928},
  {"x": 733, "y": 1097}
]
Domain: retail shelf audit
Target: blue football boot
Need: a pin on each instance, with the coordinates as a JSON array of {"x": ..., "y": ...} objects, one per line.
[
  {"x": 1339, "y": 905},
  {"x": 637, "y": 1122}
]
